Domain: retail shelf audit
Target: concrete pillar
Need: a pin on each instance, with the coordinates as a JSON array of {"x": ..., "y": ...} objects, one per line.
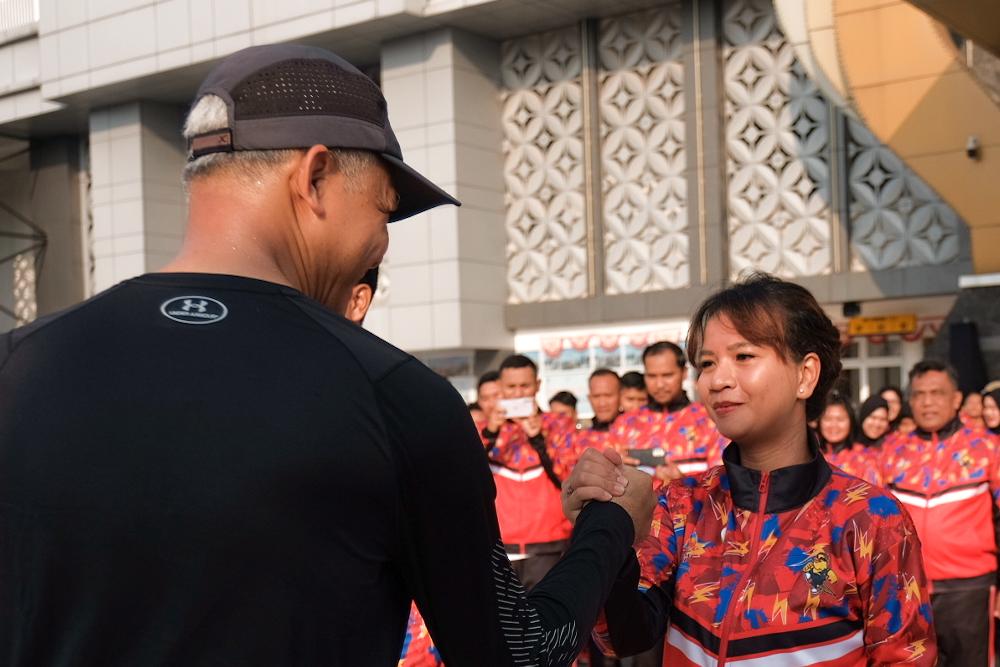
[
  {"x": 55, "y": 208},
  {"x": 136, "y": 157},
  {"x": 447, "y": 268}
]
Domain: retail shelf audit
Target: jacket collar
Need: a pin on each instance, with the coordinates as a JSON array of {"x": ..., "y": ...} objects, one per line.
[
  {"x": 948, "y": 430},
  {"x": 788, "y": 488},
  {"x": 871, "y": 442},
  {"x": 681, "y": 401},
  {"x": 599, "y": 426}
]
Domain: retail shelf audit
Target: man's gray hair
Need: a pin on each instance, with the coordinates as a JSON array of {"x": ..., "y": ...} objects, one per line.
[{"x": 210, "y": 114}]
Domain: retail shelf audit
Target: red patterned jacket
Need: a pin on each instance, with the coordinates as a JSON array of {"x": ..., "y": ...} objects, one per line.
[
  {"x": 950, "y": 484},
  {"x": 686, "y": 435},
  {"x": 418, "y": 648},
  {"x": 528, "y": 504},
  {"x": 804, "y": 565},
  {"x": 862, "y": 461}
]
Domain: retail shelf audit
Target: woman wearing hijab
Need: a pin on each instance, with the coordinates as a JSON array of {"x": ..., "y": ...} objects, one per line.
[
  {"x": 894, "y": 397},
  {"x": 861, "y": 460},
  {"x": 991, "y": 411}
]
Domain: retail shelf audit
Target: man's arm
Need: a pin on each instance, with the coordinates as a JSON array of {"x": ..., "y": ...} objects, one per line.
[
  {"x": 637, "y": 611},
  {"x": 452, "y": 559}
]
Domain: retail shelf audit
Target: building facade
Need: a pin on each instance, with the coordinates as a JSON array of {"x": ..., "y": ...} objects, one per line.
[{"x": 616, "y": 162}]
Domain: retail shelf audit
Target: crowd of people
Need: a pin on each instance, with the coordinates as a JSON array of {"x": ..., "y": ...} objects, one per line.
[
  {"x": 933, "y": 449},
  {"x": 253, "y": 479}
]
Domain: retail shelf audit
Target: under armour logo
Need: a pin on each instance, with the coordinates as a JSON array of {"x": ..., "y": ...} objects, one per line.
[{"x": 193, "y": 309}]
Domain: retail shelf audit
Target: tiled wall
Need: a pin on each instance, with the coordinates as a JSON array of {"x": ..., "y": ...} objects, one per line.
[
  {"x": 90, "y": 43},
  {"x": 446, "y": 267},
  {"x": 136, "y": 157}
]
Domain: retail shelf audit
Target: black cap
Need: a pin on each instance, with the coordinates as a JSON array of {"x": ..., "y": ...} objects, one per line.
[{"x": 289, "y": 96}]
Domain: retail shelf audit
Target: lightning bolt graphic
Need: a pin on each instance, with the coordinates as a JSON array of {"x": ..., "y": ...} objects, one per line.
[
  {"x": 856, "y": 493},
  {"x": 765, "y": 546},
  {"x": 865, "y": 545},
  {"x": 737, "y": 548},
  {"x": 912, "y": 588},
  {"x": 718, "y": 510},
  {"x": 780, "y": 609},
  {"x": 916, "y": 650},
  {"x": 702, "y": 592},
  {"x": 748, "y": 594}
]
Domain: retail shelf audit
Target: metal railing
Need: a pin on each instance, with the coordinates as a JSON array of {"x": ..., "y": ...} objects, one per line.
[{"x": 15, "y": 14}]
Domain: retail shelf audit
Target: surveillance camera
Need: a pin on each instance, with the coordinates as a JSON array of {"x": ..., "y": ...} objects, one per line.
[{"x": 972, "y": 148}]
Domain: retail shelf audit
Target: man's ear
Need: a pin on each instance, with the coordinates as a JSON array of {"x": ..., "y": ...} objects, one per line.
[
  {"x": 361, "y": 301},
  {"x": 311, "y": 175},
  {"x": 957, "y": 399}
]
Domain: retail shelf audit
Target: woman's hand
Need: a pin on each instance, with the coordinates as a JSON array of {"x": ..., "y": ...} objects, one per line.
[{"x": 596, "y": 476}]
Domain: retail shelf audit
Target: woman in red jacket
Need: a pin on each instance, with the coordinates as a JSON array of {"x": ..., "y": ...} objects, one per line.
[{"x": 773, "y": 557}]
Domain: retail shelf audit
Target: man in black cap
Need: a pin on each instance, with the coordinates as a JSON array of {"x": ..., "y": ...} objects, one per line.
[{"x": 211, "y": 466}]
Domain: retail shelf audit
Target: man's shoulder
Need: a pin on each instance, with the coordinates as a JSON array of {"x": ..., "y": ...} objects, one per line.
[
  {"x": 376, "y": 357},
  {"x": 11, "y": 340},
  {"x": 975, "y": 436}
]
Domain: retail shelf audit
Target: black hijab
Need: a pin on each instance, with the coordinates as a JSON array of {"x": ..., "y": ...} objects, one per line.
[
  {"x": 871, "y": 404},
  {"x": 995, "y": 395}
]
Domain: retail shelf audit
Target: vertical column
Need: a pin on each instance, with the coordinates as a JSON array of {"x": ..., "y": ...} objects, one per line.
[
  {"x": 593, "y": 190},
  {"x": 55, "y": 209},
  {"x": 706, "y": 173},
  {"x": 447, "y": 267},
  {"x": 137, "y": 155}
]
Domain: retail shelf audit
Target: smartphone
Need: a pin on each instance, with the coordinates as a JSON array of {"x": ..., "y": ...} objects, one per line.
[
  {"x": 648, "y": 458},
  {"x": 515, "y": 408}
]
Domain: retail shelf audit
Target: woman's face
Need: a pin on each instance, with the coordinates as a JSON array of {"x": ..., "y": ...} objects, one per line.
[
  {"x": 972, "y": 406},
  {"x": 895, "y": 403},
  {"x": 876, "y": 424},
  {"x": 991, "y": 412},
  {"x": 750, "y": 390},
  {"x": 906, "y": 425},
  {"x": 835, "y": 424}
]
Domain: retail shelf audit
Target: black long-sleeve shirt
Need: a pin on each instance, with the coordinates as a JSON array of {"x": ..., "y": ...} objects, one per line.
[{"x": 212, "y": 470}]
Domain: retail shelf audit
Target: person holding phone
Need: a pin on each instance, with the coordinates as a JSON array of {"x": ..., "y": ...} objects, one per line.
[
  {"x": 530, "y": 453},
  {"x": 775, "y": 556},
  {"x": 670, "y": 435}
]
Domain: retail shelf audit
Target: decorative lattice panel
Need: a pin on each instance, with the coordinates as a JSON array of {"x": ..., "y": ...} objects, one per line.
[
  {"x": 896, "y": 219},
  {"x": 25, "y": 306},
  {"x": 777, "y": 135},
  {"x": 642, "y": 151},
  {"x": 544, "y": 167}
]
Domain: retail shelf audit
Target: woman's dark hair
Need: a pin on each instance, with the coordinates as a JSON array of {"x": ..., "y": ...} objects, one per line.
[
  {"x": 894, "y": 424},
  {"x": 836, "y": 398},
  {"x": 564, "y": 397},
  {"x": 488, "y": 376},
  {"x": 633, "y": 380},
  {"x": 778, "y": 314}
]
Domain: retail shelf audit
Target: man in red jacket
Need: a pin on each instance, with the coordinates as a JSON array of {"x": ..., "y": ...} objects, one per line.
[
  {"x": 948, "y": 476},
  {"x": 530, "y": 456},
  {"x": 682, "y": 430}
]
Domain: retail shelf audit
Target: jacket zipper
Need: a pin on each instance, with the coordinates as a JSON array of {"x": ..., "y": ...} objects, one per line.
[
  {"x": 727, "y": 622},
  {"x": 928, "y": 493}
]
